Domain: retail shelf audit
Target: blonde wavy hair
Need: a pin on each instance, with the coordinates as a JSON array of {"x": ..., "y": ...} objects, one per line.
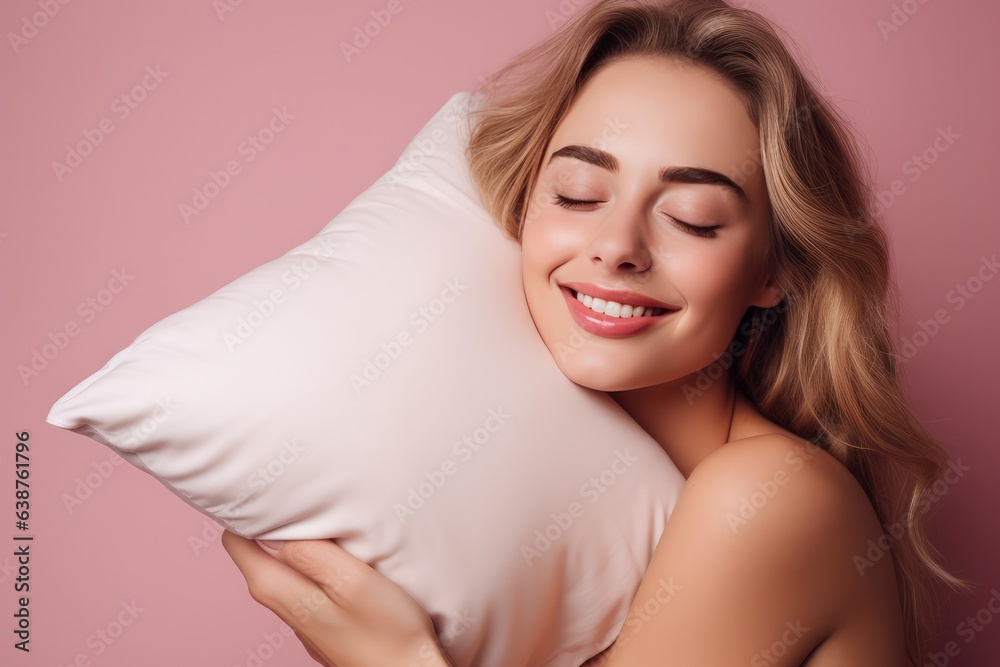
[{"x": 822, "y": 364}]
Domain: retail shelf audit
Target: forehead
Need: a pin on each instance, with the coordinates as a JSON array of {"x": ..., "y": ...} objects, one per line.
[{"x": 651, "y": 112}]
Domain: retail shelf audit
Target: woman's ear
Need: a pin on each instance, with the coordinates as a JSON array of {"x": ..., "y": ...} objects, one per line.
[{"x": 769, "y": 296}]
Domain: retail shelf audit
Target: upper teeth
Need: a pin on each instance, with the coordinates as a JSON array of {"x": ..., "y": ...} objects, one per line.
[{"x": 615, "y": 309}]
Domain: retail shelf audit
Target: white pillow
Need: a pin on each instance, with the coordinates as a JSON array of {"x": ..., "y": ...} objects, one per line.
[{"x": 383, "y": 384}]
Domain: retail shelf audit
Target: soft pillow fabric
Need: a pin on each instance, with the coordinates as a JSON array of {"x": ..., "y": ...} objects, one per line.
[{"x": 383, "y": 384}]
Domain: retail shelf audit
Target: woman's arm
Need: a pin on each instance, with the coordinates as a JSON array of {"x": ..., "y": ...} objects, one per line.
[{"x": 343, "y": 611}]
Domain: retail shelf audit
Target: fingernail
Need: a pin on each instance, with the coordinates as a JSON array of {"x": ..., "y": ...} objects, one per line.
[{"x": 270, "y": 546}]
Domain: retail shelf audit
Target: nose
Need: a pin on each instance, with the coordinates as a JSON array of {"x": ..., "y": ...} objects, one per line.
[{"x": 619, "y": 242}]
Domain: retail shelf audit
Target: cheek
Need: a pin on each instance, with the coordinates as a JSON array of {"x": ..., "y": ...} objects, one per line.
[
  {"x": 714, "y": 279},
  {"x": 540, "y": 256},
  {"x": 548, "y": 240}
]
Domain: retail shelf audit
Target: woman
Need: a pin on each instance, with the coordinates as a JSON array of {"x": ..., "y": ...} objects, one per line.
[{"x": 689, "y": 205}]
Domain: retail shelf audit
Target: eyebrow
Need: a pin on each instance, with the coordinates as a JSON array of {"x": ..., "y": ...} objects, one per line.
[{"x": 696, "y": 175}]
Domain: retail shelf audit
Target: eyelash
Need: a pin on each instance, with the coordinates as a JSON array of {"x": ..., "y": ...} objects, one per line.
[{"x": 707, "y": 231}]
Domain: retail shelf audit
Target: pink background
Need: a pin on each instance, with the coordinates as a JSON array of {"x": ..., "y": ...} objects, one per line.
[{"x": 61, "y": 239}]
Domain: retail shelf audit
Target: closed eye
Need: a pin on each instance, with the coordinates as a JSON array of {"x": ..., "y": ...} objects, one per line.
[
  {"x": 566, "y": 202},
  {"x": 704, "y": 231}
]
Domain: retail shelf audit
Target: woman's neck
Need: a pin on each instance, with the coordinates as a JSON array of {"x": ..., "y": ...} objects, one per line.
[{"x": 688, "y": 421}]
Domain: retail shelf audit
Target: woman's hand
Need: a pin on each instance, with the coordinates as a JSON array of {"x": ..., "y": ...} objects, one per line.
[{"x": 344, "y": 612}]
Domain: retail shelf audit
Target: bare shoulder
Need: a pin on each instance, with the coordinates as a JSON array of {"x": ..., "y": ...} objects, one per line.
[
  {"x": 794, "y": 504},
  {"x": 793, "y": 477},
  {"x": 809, "y": 527},
  {"x": 762, "y": 542}
]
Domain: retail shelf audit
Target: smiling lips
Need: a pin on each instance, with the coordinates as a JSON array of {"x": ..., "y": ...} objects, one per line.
[{"x": 596, "y": 311}]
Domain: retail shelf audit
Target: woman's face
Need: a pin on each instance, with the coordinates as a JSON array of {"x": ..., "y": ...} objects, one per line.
[{"x": 691, "y": 242}]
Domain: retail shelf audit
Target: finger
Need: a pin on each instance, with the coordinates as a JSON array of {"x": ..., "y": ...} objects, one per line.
[
  {"x": 275, "y": 585},
  {"x": 329, "y": 565},
  {"x": 248, "y": 556}
]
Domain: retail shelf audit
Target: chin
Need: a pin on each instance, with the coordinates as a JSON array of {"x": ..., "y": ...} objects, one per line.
[{"x": 595, "y": 374}]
